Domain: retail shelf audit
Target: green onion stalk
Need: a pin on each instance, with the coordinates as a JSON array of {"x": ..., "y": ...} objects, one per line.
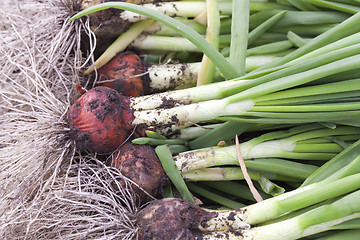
[
  {"x": 195, "y": 8},
  {"x": 343, "y": 164},
  {"x": 303, "y": 221},
  {"x": 220, "y": 62},
  {"x": 344, "y": 29},
  {"x": 286, "y": 144},
  {"x": 207, "y": 67},
  {"x": 149, "y": 41},
  {"x": 351, "y": 234},
  {"x": 318, "y": 60},
  {"x": 331, "y": 102},
  {"x": 238, "y": 190},
  {"x": 289, "y": 18},
  {"x": 260, "y": 10},
  {"x": 239, "y": 223},
  {"x": 163, "y": 77},
  {"x": 182, "y": 29},
  {"x": 174, "y": 24},
  {"x": 264, "y": 170},
  {"x": 169, "y": 76},
  {"x": 148, "y": 44},
  {"x": 222, "y": 132},
  {"x": 152, "y": 43},
  {"x": 304, "y": 23},
  {"x": 263, "y": 167},
  {"x": 235, "y": 173},
  {"x": 351, "y": 224},
  {"x": 297, "y": 103},
  {"x": 324, "y": 203},
  {"x": 348, "y": 7}
]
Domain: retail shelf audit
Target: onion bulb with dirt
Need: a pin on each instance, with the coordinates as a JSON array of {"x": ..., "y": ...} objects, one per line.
[
  {"x": 140, "y": 164},
  {"x": 171, "y": 218},
  {"x": 131, "y": 75},
  {"x": 96, "y": 120},
  {"x": 124, "y": 74}
]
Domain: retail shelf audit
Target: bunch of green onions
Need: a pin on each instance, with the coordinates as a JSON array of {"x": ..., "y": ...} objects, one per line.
[
  {"x": 290, "y": 155},
  {"x": 325, "y": 201},
  {"x": 316, "y": 83}
]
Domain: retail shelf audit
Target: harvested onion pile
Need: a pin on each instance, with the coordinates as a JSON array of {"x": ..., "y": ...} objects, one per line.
[{"x": 286, "y": 83}]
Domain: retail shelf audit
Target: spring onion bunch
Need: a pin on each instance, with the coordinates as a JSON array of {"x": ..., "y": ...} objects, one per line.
[
  {"x": 305, "y": 142},
  {"x": 262, "y": 21},
  {"x": 315, "y": 85},
  {"x": 278, "y": 96},
  {"x": 237, "y": 224},
  {"x": 288, "y": 156},
  {"x": 292, "y": 215}
]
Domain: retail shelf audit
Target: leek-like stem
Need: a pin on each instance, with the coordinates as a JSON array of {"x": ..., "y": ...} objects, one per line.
[
  {"x": 262, "y": 147},
  {"x": 207, "y": 68},
  {"x": 299, "y": 73},
  {"x": 239, "y": 34},
  {"x": 345, "y": 208},
  {"x": 344, "y": 29},
  {"x": 232, "y": 173},
  {"x": 194, "y": 8},
  {"x": 336, "y": 6}
]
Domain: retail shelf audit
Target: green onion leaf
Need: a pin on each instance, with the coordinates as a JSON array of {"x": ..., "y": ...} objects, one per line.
[{"x": 217, "y": 58}]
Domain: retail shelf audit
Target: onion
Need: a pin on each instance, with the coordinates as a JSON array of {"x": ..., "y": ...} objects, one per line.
[
  {"x": 171, "y": 218},
  {"x": 140, "y": 164},
  {"x": 96, "y": 120},
  {"x": 132, "y": 76},
  {"x": 122, "y": 74}
]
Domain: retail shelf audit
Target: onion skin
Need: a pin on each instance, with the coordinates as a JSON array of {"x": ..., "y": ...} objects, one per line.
[
  {"x": 122, "y": 74},
  {"x": 171, "y": 218},
  {"x": 140, "y": 164},
  {"x": 96, "y": 120}
]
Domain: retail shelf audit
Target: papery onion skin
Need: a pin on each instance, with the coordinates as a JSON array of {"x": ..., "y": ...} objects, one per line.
[
  {"x": 96, "y": 120},
  {"x": 124, "y": 74}
]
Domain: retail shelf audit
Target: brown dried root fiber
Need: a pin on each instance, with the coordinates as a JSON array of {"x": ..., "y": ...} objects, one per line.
[
  {"x": 86, "y": 203},
  {"x": 47, "y": 190}
]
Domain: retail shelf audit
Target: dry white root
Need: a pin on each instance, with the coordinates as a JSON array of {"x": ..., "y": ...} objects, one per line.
[
  {"x": 35, "y": 91},
  {"x": 89, "y": 202}
]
